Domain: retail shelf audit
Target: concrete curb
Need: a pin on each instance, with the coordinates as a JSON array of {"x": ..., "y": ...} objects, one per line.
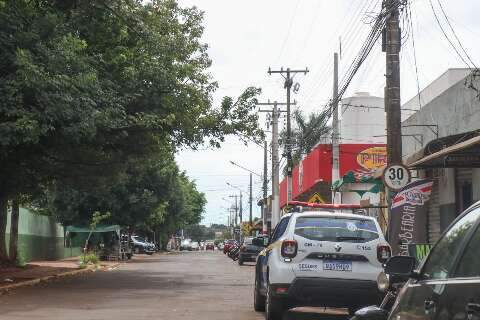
[{"x": 30, "y": 283}]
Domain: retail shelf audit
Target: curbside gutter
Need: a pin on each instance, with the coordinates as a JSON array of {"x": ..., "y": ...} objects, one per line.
[{"x": 33, "y": 282}]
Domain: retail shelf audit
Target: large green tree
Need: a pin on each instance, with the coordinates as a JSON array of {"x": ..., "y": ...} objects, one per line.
[{"x": 89, "y": 88}]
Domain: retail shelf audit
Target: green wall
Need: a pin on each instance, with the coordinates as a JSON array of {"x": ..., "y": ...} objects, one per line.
[{"x": 40, "y": 238}]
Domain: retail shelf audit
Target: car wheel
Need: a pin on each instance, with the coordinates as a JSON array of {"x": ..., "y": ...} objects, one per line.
[
  {"x": 240, "y": 261},
  {"x": 258, "y": 299},
  {"x": 129, "y": 256},
  {"x": 274, "y": 306}
]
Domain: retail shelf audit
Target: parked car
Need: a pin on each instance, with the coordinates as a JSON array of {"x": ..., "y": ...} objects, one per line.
[
  {"x": 447, "y": 284},
  {"x": 228, "y": 244},
  {"x": 186, "y": 245},
  {"x": 140, "y": 245},
  {"x": 195, "y": 246},
  {"x": 326, "y": 258},
  {"x": 250, "y": 250},
  {"x": 210, "y": 245},
  {"x": 220, "y": 246},
  {"x": 202, "y": 245}
]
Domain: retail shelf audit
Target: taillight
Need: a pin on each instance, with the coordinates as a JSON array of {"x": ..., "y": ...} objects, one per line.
[
  {"x": 289, "y": 248},
  {"x": 383, "y": 253}
]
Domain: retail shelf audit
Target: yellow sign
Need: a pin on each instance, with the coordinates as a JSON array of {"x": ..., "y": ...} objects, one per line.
[
  {"x": 316, "y": 199},
  {"x": 373, "y": 158}
]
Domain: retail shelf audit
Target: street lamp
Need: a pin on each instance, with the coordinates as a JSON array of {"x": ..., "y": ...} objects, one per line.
[{"x": 250, "y": 187}]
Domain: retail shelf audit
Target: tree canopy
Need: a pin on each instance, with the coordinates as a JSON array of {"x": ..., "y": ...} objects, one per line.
[{"x": 95, "y": 99}]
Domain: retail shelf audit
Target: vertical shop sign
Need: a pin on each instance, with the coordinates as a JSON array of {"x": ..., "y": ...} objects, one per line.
[{"x": 408, "y": 216}]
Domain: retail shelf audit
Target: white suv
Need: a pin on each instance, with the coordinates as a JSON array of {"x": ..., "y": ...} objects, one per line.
[{"x": 323, "y": 256}]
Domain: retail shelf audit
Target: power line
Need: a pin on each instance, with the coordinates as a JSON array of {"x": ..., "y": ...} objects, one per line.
[
  {"x": 410, "y": 18},
  {"x": 455, "y": 34},
  {"x": 446, "y": 36}
]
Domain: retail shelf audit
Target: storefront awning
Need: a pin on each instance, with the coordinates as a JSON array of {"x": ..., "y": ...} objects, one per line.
[{"x": 465, "y": 154}]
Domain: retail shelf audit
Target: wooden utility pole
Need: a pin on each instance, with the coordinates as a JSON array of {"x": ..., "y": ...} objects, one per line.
[
  {"x": 392, "y": 47},
  {"x": 250, "y": 217},
  {"x": 275, "y": 160},
  {"x": 288, "y": 85},
  {"x": 265, "y": 187}
]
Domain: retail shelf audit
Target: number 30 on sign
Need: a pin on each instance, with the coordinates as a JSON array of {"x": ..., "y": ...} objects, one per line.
[{"x": 396, "y": 177}]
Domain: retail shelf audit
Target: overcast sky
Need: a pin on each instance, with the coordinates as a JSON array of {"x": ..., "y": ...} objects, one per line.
[{"x": 246, "y": 37}]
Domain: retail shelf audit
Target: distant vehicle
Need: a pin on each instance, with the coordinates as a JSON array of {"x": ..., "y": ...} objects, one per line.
[
  {"x": 249, "y": 251},
  {"x": 195, "y": 246},
  {"x": 202, "y": 245},
  {"x": 140, "y": 245},
  {"x": 210, "y": 245},
  {"x": 186, "y": 245},
  {"x": 323, "y": 257},
  {"x": 228, "y": 244},
  {"x": 220, "y": 246}
]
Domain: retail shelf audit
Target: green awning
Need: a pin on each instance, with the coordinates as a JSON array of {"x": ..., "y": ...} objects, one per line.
[
  {"x": 99, "y": 229},
  {"x": 349, "y": 177}
]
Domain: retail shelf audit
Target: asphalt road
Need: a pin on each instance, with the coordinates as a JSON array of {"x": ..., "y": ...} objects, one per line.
[{"x": 186, "y": 286}]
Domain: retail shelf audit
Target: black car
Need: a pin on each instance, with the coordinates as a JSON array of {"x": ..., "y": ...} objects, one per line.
[
  {"x": 249, "y": 250},
  {"x": 447, "y": 285}
]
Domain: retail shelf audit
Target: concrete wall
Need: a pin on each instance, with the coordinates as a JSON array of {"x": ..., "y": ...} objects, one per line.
[
  {"x": 40, "y": 238},
  {"x": 456, "y": 110}
]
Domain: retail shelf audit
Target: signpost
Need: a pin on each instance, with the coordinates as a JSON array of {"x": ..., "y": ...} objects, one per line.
[{"x": 396, "y": 176}]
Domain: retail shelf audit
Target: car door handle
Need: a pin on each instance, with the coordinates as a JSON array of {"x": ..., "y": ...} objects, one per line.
[
  {"x": 429, "y": 306},
  {"x": 473, "y": 308}
]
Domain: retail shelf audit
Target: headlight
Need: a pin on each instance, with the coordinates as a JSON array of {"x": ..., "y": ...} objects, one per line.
[{"x": 383, "y": 282}]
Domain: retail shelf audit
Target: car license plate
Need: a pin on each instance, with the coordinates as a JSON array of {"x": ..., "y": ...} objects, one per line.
[{"x": 337, "y": 265}]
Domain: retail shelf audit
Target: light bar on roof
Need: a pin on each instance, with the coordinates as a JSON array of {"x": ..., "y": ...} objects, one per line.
[{"x": 324, "y": 205}]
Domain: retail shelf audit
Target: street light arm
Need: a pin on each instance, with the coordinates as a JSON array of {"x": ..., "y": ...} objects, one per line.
[{"x": 252, "y": 172}]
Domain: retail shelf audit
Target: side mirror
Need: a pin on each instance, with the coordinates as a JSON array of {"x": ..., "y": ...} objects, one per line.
[{"x": 400, "y": 266}]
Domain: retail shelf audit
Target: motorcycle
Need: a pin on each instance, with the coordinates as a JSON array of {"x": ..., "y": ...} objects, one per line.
[
  {"x": 234, "y": 252},
  {"x": 382, "y": 311}
]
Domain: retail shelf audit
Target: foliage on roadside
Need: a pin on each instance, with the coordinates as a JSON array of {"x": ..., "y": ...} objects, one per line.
[{"x": 96, "y": 98}]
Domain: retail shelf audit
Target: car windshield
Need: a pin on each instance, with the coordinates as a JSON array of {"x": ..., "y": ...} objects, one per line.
[
  {"x": 248, "y": 240},
  {"x": 336, "y": 229}
]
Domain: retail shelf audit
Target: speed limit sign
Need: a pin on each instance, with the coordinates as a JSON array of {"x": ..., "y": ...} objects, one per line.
[{"x": 396, "y": 176}]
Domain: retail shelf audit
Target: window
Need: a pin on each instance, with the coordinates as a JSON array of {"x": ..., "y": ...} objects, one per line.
[
  {"x": 336, "y": 229},
  {"x": 469, "y": 264},
  {"x": 280, "y": 229},
  {"x": 440, "y": 261}
]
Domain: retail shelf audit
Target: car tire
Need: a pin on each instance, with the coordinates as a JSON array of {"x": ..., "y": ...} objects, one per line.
[
  {"x": 240, "y": 261},
  {"x": 258, "y": 299},
  {"x": 352, "y": 310},
  {"x": 129, "y": 256},
  {"x": 274, "y": 306}
]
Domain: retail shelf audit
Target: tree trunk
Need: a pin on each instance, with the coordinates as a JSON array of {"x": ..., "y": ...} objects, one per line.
[
  {"x": 3, "y": 227},
  {"x": 13, "y": 248}
]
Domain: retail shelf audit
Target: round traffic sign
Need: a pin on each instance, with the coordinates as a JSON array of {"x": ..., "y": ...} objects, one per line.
[{"x": 396, "y": 176}]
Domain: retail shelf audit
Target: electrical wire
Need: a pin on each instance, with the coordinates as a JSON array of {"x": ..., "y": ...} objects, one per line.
[
  {"x": 455, "y": 34},
  {"x": 410, "y": 18},
  {"x": 446, "y": 36}
]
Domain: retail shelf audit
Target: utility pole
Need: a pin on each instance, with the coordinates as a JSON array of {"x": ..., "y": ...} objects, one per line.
[
  {"x": 265, "y": 187},
  {"x": 288, "y": 85},
  {"x": 275, "y": 161},
  {"x": 250, "y": 203},
  {"x": 236, "y": 207},
  {"x": 275, "y": 169},
  {"x": 335, "y": 130},
  {"x": 392, "y": 47}
]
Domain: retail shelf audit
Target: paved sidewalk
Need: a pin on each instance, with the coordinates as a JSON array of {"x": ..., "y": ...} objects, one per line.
[{"x": 40, "y": 271}]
